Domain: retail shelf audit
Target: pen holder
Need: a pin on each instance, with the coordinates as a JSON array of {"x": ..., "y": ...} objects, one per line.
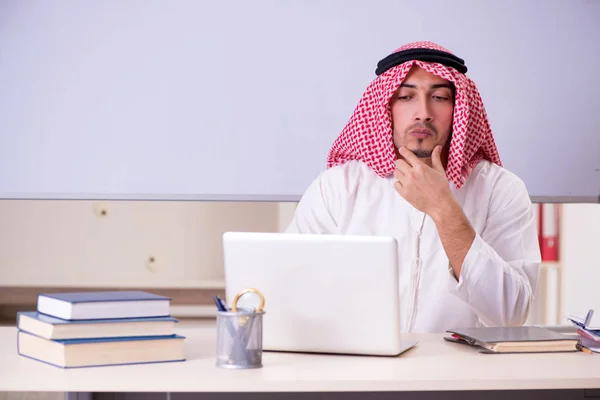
[{"x": 240, "y": 337}]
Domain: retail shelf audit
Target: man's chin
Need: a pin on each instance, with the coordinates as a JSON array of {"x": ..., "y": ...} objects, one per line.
[{"x": 422, "y": 153}]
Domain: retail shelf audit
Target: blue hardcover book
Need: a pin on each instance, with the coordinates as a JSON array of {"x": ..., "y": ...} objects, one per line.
[
  {"x": 78, "y": 353},
  {"x": 103, "y": 305},
  {"x": 50, "y": 327}
]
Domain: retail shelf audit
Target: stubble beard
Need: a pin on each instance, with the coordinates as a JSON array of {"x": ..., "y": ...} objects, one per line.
[{"x": 421, "y": 153}]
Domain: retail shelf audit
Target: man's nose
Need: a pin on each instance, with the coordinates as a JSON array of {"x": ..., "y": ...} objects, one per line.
[{"x": 423, "y": 112}]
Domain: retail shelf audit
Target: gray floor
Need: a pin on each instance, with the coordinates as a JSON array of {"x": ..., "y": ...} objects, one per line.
[{"x": 518, "y": 395}]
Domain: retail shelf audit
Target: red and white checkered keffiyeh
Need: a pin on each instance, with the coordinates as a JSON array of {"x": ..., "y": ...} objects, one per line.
[{"x": 367, "y": 136}]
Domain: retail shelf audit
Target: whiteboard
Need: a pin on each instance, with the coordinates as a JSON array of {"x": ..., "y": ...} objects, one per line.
[{"x": 241, "y": 100}]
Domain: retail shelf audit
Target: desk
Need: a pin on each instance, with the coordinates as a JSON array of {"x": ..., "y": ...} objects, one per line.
[{"x": 434, "y": 365}]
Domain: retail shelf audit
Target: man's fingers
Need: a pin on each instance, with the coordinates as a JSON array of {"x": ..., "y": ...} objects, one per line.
[
  {"x": 399, "y": 175},
  {"x": 409, "y": 156},
  {"x": 403, "y": 166},
  {"x": 399, "y": 188}
]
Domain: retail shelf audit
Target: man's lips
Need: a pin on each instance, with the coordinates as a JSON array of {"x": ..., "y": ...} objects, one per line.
[{"x": 420, "y": 133}]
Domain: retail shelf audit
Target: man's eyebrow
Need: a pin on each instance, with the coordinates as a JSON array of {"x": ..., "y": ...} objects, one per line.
[
  {"x": 434, "y": 86},
  {"x": 441, "y": 85}
]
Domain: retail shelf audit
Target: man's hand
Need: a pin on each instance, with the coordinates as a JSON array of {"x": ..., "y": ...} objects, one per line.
[{"x": 425, "y": 187}]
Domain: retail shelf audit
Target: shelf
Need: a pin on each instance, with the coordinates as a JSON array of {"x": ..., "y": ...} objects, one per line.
[{"x": 191, "y": 284}]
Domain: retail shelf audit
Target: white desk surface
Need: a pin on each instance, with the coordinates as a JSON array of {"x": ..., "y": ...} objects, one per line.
[{"x": 433, "y": 365}]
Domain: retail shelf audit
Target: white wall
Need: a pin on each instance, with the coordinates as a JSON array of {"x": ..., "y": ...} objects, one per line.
[
  {"x": 72, "y": 243},
  {"x": 580, "y": 260},
  {"x": 183, "y": 99}
]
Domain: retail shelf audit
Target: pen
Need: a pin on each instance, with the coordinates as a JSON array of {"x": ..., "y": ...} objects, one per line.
[{"x": 219, "y": 303}]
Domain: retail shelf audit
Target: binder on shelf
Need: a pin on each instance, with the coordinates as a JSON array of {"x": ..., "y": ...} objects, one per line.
[{"x": 549, "y": 231}]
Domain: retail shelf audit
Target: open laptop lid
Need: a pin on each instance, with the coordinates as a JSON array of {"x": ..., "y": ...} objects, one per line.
[{"x": 324, "y": 293}]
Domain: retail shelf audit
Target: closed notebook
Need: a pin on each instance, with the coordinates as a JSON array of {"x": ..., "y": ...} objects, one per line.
[
  {"x": 77, "y": 353},
  {"x": 521, "y": 339},
  {"x": 50, "y": 327},
  {"x": 103, "y": 305}
]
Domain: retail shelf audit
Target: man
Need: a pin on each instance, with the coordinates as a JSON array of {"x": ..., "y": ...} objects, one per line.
[{"x": 417, "y": 161}]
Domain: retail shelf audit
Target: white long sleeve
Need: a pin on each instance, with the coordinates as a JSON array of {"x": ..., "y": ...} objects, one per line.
[{"x": 499, "y": 275}]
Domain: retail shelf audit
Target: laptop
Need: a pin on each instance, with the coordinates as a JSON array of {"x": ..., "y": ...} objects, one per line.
[{"x": 323, "y": 293}]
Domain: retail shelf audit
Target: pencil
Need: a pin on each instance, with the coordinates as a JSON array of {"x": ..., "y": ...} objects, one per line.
[{"x": 586, "y": 350}]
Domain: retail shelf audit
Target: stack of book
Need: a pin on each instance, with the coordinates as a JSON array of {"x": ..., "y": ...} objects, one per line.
[
  {"x": 583, "y": 326},
  {"x": 86, "y": 329},
  {"x": 590, "y": 337}
]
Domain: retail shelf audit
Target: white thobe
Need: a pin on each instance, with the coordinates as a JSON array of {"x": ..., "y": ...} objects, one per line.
[{"x": 499, "y": 275}]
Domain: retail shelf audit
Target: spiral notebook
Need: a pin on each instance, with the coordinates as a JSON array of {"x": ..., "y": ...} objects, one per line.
[{"x": 518, "y": 339}]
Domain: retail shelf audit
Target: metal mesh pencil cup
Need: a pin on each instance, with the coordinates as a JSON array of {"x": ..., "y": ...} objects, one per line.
[{"x": 240, "y": 337}]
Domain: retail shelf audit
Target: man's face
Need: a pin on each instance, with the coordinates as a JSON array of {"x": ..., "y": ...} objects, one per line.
[{"x": 422, "y": 111}]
